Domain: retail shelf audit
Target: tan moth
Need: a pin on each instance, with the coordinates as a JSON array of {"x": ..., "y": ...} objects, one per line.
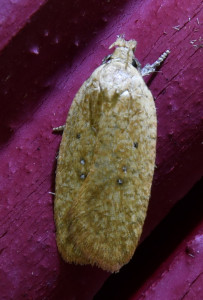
[{"x": 106, "y": 163}]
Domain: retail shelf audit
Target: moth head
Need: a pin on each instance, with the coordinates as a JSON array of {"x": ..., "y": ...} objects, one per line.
[
  {"x": 121, "y": 42},
  {"x": 124, "y": 49}
]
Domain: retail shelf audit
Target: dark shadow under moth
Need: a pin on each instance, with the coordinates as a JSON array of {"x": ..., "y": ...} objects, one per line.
[{"x": 106, "y": 163}]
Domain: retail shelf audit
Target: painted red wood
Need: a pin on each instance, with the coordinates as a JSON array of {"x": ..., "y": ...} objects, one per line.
[{"x": 47, "y": 50}]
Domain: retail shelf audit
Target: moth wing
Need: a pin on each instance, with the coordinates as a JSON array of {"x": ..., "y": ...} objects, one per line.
[
  {"x": 108, "y": 215},
  {"x": 74, "y": 161}
]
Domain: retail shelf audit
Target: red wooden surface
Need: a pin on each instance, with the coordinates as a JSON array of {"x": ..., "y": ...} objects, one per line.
[
  {"x": 46, "y": 53},
  {"x": 169, "y": 263}
]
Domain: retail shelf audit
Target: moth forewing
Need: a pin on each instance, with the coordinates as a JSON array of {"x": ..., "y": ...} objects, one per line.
[{"x": 106, "y": 164}]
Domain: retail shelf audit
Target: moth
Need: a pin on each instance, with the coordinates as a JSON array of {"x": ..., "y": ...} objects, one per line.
[{"x": 106, "y": 163}]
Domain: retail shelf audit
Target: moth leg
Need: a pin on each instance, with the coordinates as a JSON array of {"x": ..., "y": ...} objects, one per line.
[
  {"x": 106, "y": 59},
  {"x": 137, "y": 64},
  {"x": 148, "y": 69},
  {"x": 58, "y": 129}
]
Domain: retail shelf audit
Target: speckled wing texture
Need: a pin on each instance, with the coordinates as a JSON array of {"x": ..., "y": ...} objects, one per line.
[{"x": 106, "y": 164}]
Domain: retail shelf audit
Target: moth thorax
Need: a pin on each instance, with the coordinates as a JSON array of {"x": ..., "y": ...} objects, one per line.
[{"x": 123, "y": 54}]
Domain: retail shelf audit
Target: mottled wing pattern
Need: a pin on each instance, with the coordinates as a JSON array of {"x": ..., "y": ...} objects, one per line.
[
  {"x": 74, "y": 161},
  {"x": 105, "y": 166},
  {"x": 108, "y": 215}
]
